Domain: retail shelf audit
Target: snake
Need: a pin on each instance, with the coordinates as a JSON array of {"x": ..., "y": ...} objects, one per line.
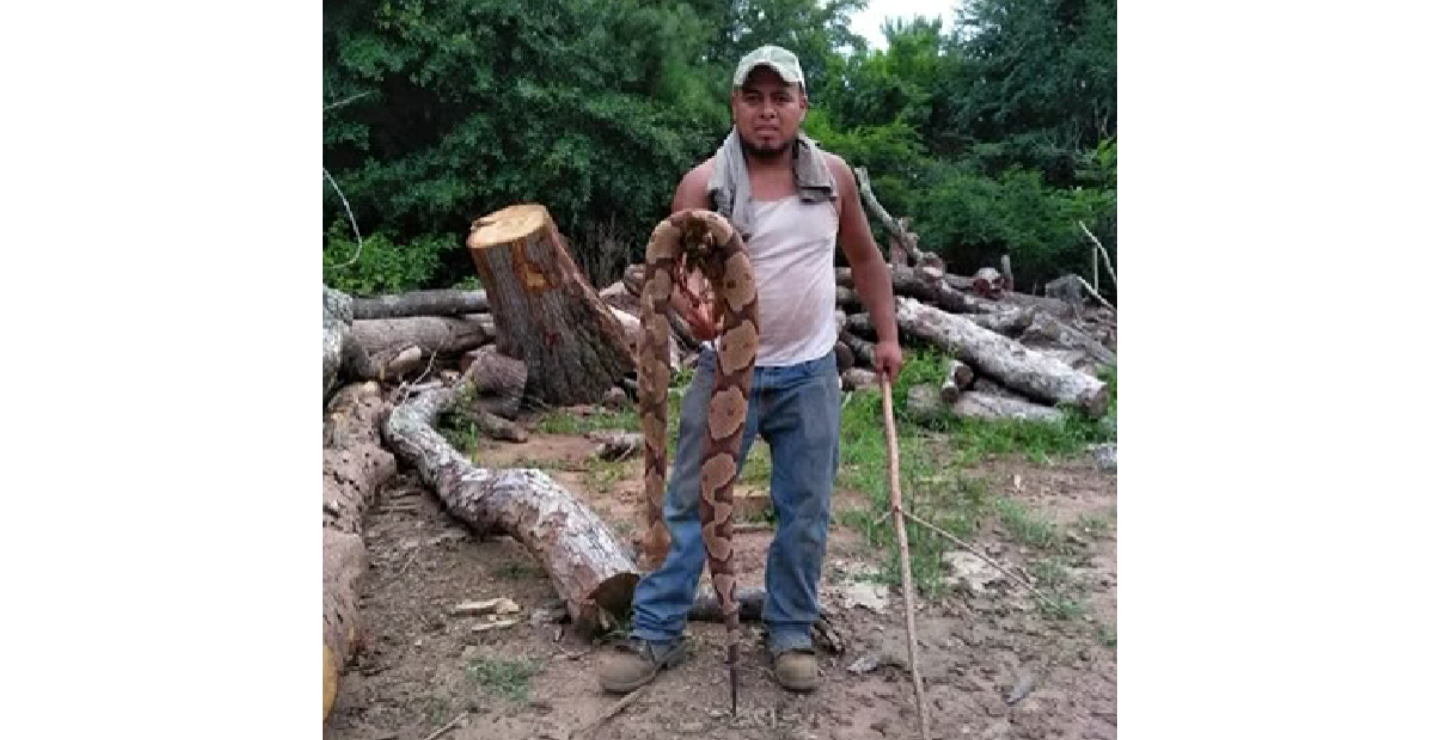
[{"x": 703, "y": 240}]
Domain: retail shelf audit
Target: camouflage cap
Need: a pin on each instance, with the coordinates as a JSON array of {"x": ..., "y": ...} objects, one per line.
[{"x": 774, "y": 57}]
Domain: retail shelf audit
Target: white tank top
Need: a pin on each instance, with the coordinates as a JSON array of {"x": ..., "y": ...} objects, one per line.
[{"x": 792, "y": 251}]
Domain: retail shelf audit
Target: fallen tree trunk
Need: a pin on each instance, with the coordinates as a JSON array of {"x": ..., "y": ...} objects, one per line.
[
  {"x": 354, "y": 467},
  {"x": 422, "y": 303},
  {"x": 1046, "y": 329},
  {"x": 864, "y": 351},
  {"x": 585, "y": 561},
  {"x": 913, "y": 282},
  {"x": 979, "y": 405},
  {"x": 1017, "y": 366},
  {"x": 382, "y": 340},
  {"x": 546, "y": 312},
  {"x": 498, "y": 381},
  {"x": 339, "y": 314}
]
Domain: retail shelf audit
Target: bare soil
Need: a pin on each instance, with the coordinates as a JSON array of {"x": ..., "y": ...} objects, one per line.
[{"x": 994, "y": 665}]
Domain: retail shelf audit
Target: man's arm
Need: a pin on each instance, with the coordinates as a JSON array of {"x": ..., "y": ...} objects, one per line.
[{"x": 868, "y": 267}]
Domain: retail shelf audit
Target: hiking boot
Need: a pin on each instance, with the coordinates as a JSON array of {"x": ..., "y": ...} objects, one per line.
[
  {"x": 797, "y": 670},
  {"x": 636, "y": 662}
]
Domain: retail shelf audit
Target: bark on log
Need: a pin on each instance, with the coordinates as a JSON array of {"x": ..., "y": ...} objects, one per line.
[
  {"x": 979, "y": 405},
  {"x": 343, "y": 561},
  {"x": 545, "y": 310},
  {"x": 354, "y": 467},
  {"x": 844, "y": 357},
  {"x": 1017, "y": 366},
  {"x": 860, "y": 325},
  {"x": 616, "y": 444},
  {"x": 495, "y": 426},
  {"x": 1048, "y": 330},
  {"x": 946, "y": 292},
  {"x": 422, "y": 303},
  {"x": 864, "y": 350},
  {"x": 923, "y": 403},
  {"x": 339, "y": 314},
  {"x": 382, "y": 340},
  {"x": 498, "y": 381},
  {"x": 1011, "y": 322},
  {"x": 857, "y": 378},
  {"x": 1048, "y": 305},
  {"x": 586, "y": 563}
]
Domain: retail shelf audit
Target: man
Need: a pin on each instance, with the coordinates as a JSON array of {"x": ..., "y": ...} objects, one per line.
[{"x": 792, "y": 203}]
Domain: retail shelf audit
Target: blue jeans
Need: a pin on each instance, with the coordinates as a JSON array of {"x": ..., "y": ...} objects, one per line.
[{"x": 796, "y": 410}]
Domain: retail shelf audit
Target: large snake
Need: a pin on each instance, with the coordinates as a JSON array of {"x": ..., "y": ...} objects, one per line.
[{"x": 703, "y": 240}]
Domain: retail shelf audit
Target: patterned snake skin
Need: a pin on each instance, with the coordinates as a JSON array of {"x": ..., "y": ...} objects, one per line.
[{"x": 685, "y": 241}]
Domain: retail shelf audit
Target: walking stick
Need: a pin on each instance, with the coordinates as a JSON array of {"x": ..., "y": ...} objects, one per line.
[{"x": 897, "y": 509}]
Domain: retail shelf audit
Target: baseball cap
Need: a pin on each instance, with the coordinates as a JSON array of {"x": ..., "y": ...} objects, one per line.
[{"x": 774, "y": 57}]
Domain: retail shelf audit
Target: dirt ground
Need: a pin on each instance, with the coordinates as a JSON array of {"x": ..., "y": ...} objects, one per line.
[{"x": 994, "y": 665}]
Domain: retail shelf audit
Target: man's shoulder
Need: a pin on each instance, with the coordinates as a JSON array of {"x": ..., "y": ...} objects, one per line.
[{"x": 837, "y": 164}]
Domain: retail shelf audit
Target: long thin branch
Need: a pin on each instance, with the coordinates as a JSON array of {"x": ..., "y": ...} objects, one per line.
[
  {"x": 872, "y": 204},
  {"x": 1103, "y": 253},
  {"x": 897, "y": 506},
  {"x": 446, "y": 727},
  {"x": 349, "y": 100},
  {"x": 976, "y": 552},
  {"x": 1097, "y": 296},
  {"x": 614, "y": 709},
  {"x": 359, "y": 242}
]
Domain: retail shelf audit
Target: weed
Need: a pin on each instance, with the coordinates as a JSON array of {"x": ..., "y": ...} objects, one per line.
[{"x": 504, "y": 677}]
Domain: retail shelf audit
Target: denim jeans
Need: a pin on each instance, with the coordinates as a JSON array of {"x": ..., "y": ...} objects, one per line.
[{"x": 796, "y": 410}]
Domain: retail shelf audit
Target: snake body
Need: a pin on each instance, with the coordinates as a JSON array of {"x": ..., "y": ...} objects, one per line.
[{"x": 686, "y": 240}]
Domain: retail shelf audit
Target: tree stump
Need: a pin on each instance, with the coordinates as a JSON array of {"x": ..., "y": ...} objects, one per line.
[{"x": 545, "y": 310}]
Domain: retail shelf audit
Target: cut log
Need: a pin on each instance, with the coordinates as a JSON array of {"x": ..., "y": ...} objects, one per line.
[
  {"x": 342, "y": 563},
  {"x": 1025, "y": 370},
  {"x": 857, "y": 378},
  {"x": 354, "y": 467},
  {"x": 923, "y": 403},
  {"x": 864, "y": 350},
  {"x": 1048, "y": 305},
  {"x": 493, "y": 426},
  {"x": 989, "y": 282},
  {"x": 1048, "y": 330},
  {"x": 616, "y": 295},
  {"x": 978, "y": 405},
  {"x": 860, "y": 325},
  {"x": 924, "y": 283},
  {"x": 844, "y": 356},
  {"x": 958, "y": 377},
  {"x": 422, "y": 303},
  {"x": 586, "y": 563},
  {"x": 616, "y": 444},
  {"x": 1011, "y": 322},
  {"x": 338, "y": 316},
  {"x": 498, "y": 382},
  {"x": 382, "y": 340},
  {"x": 355, "y": 464},
  {"x": 545, "y": 310}
]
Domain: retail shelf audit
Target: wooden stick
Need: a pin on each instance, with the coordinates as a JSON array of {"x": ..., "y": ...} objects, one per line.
[
  {"x": 447, "y": 726},
  {"x": 1103, "y": 253},
  {"x": 976, "y": 552},
  {"x": 614, "y": 709},
  {"x": 898, "y": 509},
  {"x": 1097, "y": 296}
]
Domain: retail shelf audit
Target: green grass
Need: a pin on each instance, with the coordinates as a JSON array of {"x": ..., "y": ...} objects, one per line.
[
  {"x": 935, "y": 458},
  {"x": 504, "y": 677}
]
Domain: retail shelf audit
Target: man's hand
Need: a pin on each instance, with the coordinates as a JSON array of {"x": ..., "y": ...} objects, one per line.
[
  {"x": 702, "y": 324},
  {"x": 888, "y": 360}
]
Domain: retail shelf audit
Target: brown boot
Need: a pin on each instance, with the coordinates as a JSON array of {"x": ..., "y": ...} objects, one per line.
[
  {"x": 797, "y": 670},
  {"x": 636, "y": 662}
]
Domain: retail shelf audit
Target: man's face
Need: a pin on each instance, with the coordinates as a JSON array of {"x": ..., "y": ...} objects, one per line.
[{"x": 767, "y": 113}]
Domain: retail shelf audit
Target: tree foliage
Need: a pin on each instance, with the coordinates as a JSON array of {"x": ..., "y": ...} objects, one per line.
[{"x": 995, "y": 138}]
